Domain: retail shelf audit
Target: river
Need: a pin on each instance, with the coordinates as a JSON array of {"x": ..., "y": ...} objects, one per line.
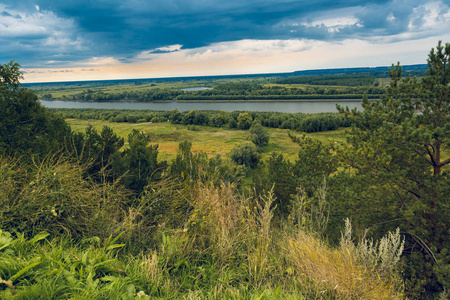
[{"x": 281, "y": 106}]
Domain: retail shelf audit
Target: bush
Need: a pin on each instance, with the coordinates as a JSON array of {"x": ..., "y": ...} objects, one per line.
[
  {"x": 258, "y": 135},
  {"x": 53, "y": 196},
  {"x": 246, "y": 154}
]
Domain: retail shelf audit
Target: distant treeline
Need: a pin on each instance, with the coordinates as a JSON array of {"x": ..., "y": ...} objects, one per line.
[
  {"x": 155, "y": 94},
  {"x": 252, "y": 91},
  {"x": 238, "y": 120},
  {"x": 233, "y": 91},
  {"x": 343, "y": 80},
  {"x": 380, "y": 72}
]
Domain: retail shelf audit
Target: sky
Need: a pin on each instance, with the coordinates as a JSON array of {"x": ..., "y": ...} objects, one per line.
[{"x": 73, "y": 40}]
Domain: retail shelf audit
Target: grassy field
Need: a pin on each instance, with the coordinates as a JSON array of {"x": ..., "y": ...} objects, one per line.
[{"x": 208, "y": 139}]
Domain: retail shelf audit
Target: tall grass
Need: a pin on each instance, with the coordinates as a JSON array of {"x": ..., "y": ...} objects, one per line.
[
  {"x": 53, "y": 195},
  {"x": 204, "y": 241}
]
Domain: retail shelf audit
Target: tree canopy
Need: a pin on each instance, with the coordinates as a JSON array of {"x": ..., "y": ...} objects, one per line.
[
  {"x": 400, "y": 144},
  {"x": 26, "y": 128}
]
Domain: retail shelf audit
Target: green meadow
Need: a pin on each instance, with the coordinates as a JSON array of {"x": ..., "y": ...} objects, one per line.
[{"x": 208, "y": 139}]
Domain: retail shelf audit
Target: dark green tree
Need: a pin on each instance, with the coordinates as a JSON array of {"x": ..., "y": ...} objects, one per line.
[
  {"x": 137, "y": 165},
  {"x": 316, "y": 161},
  {"x": 27, "y": 129},
  {"x": 175, "y": 116},
  {"x": 96, "y": 150},
  {"x": 192, "y": 167},
  {"x": 244, "y": 121},
  {"x": 187, "y": 164},
  {"x": 397, "y": 145},
  {"x": 246, "y": 154},
  {"x": 258, "y": 135},
  {"x": 277, "y": 173}
]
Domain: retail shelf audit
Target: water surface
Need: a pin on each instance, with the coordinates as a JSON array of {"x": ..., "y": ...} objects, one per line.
[{"x": 285, "y": 106}]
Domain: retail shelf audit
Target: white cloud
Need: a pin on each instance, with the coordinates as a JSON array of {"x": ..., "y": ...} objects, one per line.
[
  {"x": 432, "y": 15},
  {"x": 170, "y": 48},
  {"x": 391, "y": 18},
  {"x": 100, "y": 61},
  {"x": 333, "y": 22},
  {"x": 38, "y": 31},
  {"x": 40, "y": 23}
]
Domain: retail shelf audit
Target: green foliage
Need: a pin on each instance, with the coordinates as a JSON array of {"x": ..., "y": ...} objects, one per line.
[
  {"x": 62, "y": 270},
  {"x": 258, "y": 135},
  {"x": 22, "y": 117},
  {"x": 244, "y": 121},
  {"x": 228, "y": 250},
  {"x": 345, "y": 88},
  {"x": 143, "y": 96},
  {"x": 397, "y": 145},
  {"x": 137, "y": 165},
  {"x": 195, "y": 167},
  {"x": 246, "y": 154},
  {"x": 96, "y": 150},
  {"x": 10, "y": 75},
  {"x": 175, "y": 116},
  {"x": 298, "y": 121},
  {"x": 226, "y": 245},
  {"x": 53, "y": 196},
  {"x": 276, "y": 175},
  {"x": 316, "y": 161},
  {"x": 342, "y": 80}
]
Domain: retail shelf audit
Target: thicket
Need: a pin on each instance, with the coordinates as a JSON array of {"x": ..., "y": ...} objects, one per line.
[{"x": 293, "y": 121}]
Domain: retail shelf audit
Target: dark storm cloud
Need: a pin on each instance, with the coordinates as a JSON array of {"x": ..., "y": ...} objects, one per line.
[{"x": 77, "y": 30}]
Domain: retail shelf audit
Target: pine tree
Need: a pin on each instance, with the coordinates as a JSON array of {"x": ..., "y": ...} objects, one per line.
[{"x": 400, "y": 145}]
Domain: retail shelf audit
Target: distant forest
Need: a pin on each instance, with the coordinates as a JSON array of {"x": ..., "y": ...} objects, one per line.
[{"x": 350, "y": 83}]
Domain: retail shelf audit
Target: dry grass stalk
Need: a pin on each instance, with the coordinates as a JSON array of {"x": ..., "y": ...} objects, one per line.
[
  {"x": 150, "y": 267},
  {"x": 215, "y": 219},
  {"x": 338, "y": 270}
]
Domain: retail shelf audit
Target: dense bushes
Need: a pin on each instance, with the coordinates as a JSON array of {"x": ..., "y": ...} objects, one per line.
[
  {"x": 113, "y": 115},
  {"x": 240, "y": 120},
  {"x": 141, "y": 96}
]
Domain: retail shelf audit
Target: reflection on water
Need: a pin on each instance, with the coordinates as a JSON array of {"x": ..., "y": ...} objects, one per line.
[{"x": 287, "y": 107}]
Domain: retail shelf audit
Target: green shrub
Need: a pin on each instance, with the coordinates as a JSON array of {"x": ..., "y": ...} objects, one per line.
[
  {"x": 246, "y": 154},
  {"x": 53, "y": 196}
]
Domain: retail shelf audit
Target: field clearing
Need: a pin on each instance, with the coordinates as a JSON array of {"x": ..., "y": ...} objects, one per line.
[{"x": 211, "y": 140}]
